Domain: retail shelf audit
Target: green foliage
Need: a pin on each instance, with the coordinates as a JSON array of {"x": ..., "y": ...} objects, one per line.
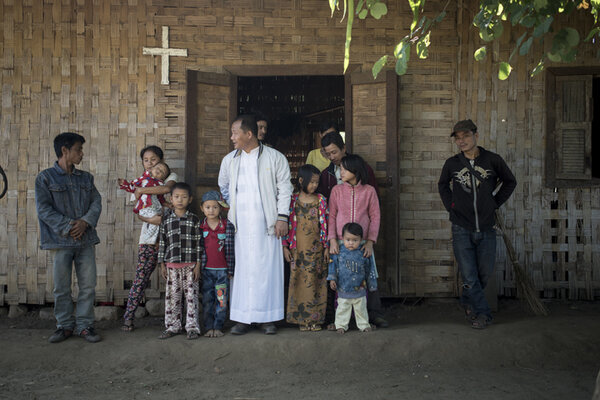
[
  {"x": 504, "y": 71},
  {"x": 480, "y": 53},
  {"x": 379, "y": 65},
  {"x": 534, "y": 17}
]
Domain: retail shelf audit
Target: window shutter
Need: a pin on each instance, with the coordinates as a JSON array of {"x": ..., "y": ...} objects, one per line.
[{"x": 573, "y": 130}]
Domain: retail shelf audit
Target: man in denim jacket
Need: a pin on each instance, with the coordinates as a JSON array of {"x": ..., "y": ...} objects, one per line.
[{"x": 68, "y": 207}]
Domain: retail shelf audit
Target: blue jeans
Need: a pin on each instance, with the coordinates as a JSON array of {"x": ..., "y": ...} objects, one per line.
[
  {"x": 475, "y": 253},
  {"x": 85, "y": 268},
  {"x": 215, "y": 291}
]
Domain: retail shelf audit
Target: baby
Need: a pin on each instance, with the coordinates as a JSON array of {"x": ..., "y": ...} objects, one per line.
[{"x": 148, "y": 205}]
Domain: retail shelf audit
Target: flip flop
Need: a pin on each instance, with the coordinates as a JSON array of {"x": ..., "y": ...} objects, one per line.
[
  {"x": 127, "y": 327},
  {"x": 167, "y": 335}
]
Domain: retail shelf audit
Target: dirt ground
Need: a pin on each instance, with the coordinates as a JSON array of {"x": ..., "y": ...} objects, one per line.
[{"x": 428, "y": 352}]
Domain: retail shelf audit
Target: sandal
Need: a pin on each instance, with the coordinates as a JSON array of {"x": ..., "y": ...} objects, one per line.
[
  {"x": 481, "y": 322},
  {"x": 192, "y": 335},
  {"x": 304, "y": 328},
  {"x": 315, "y": 327},
  {"x": 167, "y": 335},
  {"x": 127, "y": 327}
]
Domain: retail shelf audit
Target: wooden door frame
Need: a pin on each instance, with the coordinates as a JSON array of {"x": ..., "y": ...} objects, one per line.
[
  {"x": 229, "y": 77},
  {"x": 193, "y": 78}
]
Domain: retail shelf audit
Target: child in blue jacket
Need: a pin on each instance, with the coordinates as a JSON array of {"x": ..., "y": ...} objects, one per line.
[{"x": 351, "y": 274}]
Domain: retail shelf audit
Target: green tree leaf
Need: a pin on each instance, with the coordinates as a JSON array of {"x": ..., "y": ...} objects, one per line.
[
  {"x": 572, "y": 37},
  {"x": 554, "y": 57},
  {"x": 504, "y": 71},
  {"x": 539, "y": 4},
  {"x": 378, "y": 10},
  {"x": 480, "y": 53},
  {"x": 415, "y": 6},
  {"x": 528, "y": 21},
  {"x": 423, "y": 46},
  {"x": 333, "y": 4},
  {"x": 401, "y": 66},
  {"x": 592, "y": 32},
  {"x": 539, "y": 68},
  {"x": 400, "y": 47},
  {"x": 402, "y": 56},
  {"x": 363, "y": 13},
  {"x": 543, "y": 27},
  {"x": 379, "y": 65},
  {"x": 525, "y": 48},
  {"x": 519, "y": 41},
  {"x": 440, "y": 17}
]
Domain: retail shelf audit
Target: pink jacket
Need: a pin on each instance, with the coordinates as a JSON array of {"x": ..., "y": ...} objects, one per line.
[{"x": 358, "y": 204}]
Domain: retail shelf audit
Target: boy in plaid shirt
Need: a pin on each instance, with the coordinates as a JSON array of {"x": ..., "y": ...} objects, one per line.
[{"x": 179, "y": 254}]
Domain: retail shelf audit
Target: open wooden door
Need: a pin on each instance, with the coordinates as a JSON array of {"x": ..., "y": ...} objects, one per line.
[
  {"x": 371, "y": 132},
  {"x": 210, "y": 107}
]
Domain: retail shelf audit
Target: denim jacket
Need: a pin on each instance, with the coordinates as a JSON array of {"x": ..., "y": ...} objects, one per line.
[
  {"x": 352, "y": 273},
  {"x": 61, "y": 198}
]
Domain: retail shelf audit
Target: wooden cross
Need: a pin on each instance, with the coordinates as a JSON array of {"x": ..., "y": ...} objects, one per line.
[{"x": 164, "y": 52}]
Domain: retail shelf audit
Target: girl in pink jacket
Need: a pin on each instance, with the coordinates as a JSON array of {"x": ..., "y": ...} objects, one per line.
[{"x": 353, "y": 201}]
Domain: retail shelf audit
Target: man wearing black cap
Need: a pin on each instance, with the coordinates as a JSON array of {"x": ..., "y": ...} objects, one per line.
[{"x": 467, "y": 186}]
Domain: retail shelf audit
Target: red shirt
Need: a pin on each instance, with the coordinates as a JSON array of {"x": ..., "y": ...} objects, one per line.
[{"x": 214, "y": 245}]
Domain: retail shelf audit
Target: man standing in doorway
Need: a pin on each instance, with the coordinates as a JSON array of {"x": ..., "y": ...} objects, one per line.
[
  {"x": 335, "y": 149},
  {"x": 317, "y": 157},
  {"x": 255, "y": 182},
  {"x": 467, "y": 186},
  {"x": 261, "y": 122},
  {"x": 68, "y": 207}
]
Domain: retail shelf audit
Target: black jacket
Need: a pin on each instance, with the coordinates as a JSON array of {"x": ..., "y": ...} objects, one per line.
[{"x": 474, "y": 210}]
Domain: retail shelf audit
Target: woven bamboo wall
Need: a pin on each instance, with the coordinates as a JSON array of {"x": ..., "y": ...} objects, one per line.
[{"x": 78, "y": 65}]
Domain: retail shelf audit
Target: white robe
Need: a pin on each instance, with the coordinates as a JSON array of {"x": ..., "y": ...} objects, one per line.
[{"x": 257, "y": 289}]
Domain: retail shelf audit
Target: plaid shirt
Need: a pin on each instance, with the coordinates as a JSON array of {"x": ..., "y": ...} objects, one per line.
[
  {"x": 180, "y": 239},
  {"x": 229, "y": 244}
]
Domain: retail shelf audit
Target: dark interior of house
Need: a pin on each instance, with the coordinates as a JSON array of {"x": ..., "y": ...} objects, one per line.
[
  {"x": 596, "y": 127},
  {"x": 294, "y": 107}
]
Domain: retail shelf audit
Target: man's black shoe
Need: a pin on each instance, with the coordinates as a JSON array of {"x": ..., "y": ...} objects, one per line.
[
  {"x": 60, "y": 334},
  {"x": 380, "y": 322},
  {"x": 90, "y": 335},
  {"x": 240, "y": 329}
]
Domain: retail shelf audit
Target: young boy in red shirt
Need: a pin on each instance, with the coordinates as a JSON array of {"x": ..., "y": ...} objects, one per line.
[{"x": 218, "y": 262}]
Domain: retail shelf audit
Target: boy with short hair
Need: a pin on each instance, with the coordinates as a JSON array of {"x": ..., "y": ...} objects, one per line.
[
  {"x": 179, "y": 253},
  {"x": 218, "y": 262},
  {"x": 68, "y": 207},
  {"x": 350, "y": 273}
]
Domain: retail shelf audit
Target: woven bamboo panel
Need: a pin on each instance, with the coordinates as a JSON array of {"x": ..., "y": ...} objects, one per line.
[{"x": 78, "y": 65}]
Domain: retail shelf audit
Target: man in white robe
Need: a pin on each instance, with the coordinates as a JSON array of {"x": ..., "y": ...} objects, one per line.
[{"x": 255, "y": 181}]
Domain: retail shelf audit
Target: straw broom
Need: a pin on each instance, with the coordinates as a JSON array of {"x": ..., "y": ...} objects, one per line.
[{"x": 525, "y": 288}]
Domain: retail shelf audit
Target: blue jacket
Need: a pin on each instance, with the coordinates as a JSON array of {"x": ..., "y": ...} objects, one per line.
[
  {"x": 61, "y": 198},
  {"x": 352, "y": 273}
]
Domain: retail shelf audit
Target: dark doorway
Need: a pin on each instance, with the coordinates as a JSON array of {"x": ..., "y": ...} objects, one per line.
[{"x": 294, "y": 107}]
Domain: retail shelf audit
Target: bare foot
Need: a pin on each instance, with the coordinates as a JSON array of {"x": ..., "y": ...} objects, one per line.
[
  {"x": 367, "y": 330},
  {"x": 210, "y": 333},
  {"x": 218, "y": 333},
  {"x": 341, "y": 331}
]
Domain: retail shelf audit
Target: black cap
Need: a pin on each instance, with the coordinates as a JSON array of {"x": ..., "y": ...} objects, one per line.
[{"x": 463, "y": 126}]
